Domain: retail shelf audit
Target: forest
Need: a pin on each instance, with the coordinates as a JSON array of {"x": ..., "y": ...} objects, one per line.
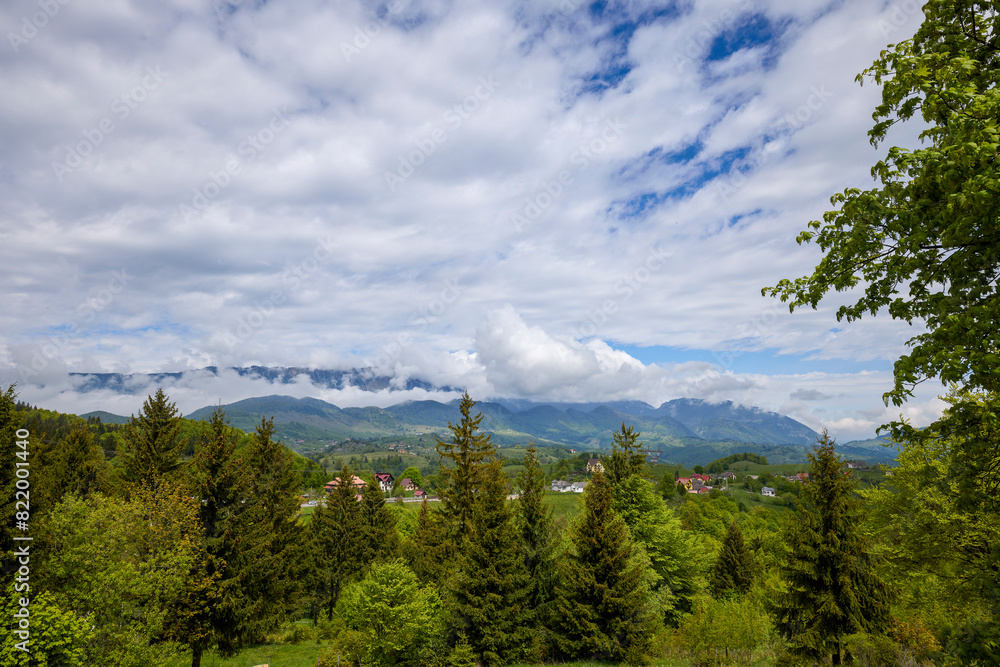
[
  {"x": 169, "y": 542},
  {"x": 188, "y": 544}
]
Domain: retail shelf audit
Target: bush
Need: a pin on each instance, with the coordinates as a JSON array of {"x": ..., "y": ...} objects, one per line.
[
  {"x": 877, "y": 651},
  {"x": 297, "y": 633}
]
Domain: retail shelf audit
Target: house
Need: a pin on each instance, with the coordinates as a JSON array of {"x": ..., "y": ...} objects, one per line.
[
  {"x": 703, "y": 478},
  {"x": 357, "y": 484},
  {"x": 727, "y": 475},
  {"x": 752, "y": 476},
  {"x": 686, "y": 481},
  {"x": 560, "y": 485},
  {"x": 802, "y": 477},
  {"x": 767, "y": 491},
  {"x": 704, "y": 490},
  {"x": 419, "y": 493},
  {"x": 578, "y": 487},
  {"x": 857, "y": 465},
  {"x": 385, "y": 481},
  {"x": 406, "y": 484},
  {"x": 594, "y": 464}
]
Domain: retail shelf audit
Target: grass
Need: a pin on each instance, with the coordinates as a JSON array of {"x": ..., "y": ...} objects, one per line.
[
  {"x": 303, "y": 654},
  {"x": 567, "y": 505}
]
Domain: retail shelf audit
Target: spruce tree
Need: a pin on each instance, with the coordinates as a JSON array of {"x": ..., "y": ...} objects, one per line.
[
  {"x": 151, "y": 443},
  {"x": 734, "y": 568},
  {"x": 627, "y": 456},
  {"x": 603, "y": 607},
  {"x": 378, "y": 526},
  {"x": 832, "y": 587},
  {"x": 338, "y": 555},
  {"x": 492, "y": 590},
  {"x": 430, "y": 553},
  {"x": 462, "y": 461},
  {"x": 9, "y": 449},
  {"x": 270, "y": 557},
  {"x": 534, "y": 522}
]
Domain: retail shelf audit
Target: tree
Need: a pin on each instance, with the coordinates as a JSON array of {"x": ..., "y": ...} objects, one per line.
[
  {"x": 122, "y": 565},
  {"x": 734, "y": 568},
  {"x": 462, "y": 461},
  {"x": 430, "y": 552},
  {"x": 337, "y": 553},
  {"x": 55, "y": 636},
  {"x": 492, "y": 590},
  {"x": 269, "y": 557},
  {"x": 74, "y": 464},
  {"x": 627, "y": 456},
  {"x": 534, "y": 522},
  {"x": 378, "y": 526},
  {"x": 925, "y": 242},
  {"x": 414, "y": 474},
  {"x": 832, "y": 587},
  {"x": 151, "y": 444},
  {"x": 397, "y": 617},
  {"x": 603, "y": 607}
]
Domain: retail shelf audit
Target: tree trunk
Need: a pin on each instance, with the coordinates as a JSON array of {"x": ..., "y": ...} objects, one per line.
[
  {"x": 195, "y": 656},
  {"x": 836, "y": 653}
]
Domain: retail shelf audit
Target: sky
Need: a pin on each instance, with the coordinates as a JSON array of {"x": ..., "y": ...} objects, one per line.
[{"x": 555, "y": 200}]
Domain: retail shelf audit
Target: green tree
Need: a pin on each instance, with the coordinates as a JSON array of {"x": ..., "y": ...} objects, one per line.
[
  {"x": 734, "y": 568},
  {"x": 492, "y": 591},
  {"x": 603, "y": 606},
  {"x": 924, "y": 242},
  {"x": 270, "y": 556},
  {"x": 74, "y": 464},
  {"x": 430, "y": 552},
  {"x": 398, "y": 619},
  {"x": 534, "y": 522},
  {"x": 55, "y": 637},
  {"x": 627, "y": 456},
  {"x": 337, "y": 553},
  {"x": 833, "y": 590},
  {"x": 462, "y": 461},
  {"x": 122, "y": 565},
  {"x": 151, "y": 444},
  {"x": 378, "y": 525},
  {"x": 414, "y": 474}
]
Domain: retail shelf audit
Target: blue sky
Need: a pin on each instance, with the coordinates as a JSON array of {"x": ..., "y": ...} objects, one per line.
[{"x": 554, "y": 200}]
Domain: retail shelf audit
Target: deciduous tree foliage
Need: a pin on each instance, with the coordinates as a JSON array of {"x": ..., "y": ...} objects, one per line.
[
  {"x": 604, "y": 607},
  {"x": 925, "y": 242},
  {"x": 833, "y": 590},
  {"x": 462, "y": 462}
]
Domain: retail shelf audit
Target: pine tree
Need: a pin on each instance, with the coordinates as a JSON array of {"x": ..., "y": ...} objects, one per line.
[
  {"x": 151, "y": 444},
  {"x": 734, "y": 568},
  {"x": 493, "y": 588},
  {"x": 378, "y": 526},
  {"x": 430, "y": 552},
  {"x": 337, "y": 552},
  {"x": 627, "y": 456},
  {"x": 832, "y": 587},
  {"x": 462, "y": 461},
  {"x": 270, "y": 557},
  {"x": 534, "y": 521},
  {"x": 603, "y": 606}
]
